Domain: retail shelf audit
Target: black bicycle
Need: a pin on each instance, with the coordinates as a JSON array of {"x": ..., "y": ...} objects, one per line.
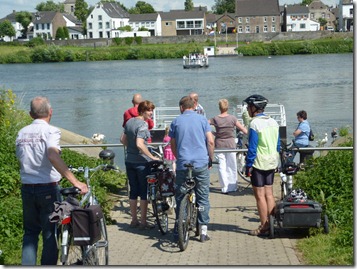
[{"x": 161, "y": 192}]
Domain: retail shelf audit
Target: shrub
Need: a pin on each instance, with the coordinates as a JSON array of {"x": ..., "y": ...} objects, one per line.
[
  {"x": 129, "y": 40},
  {"x": 138, "y": 40},
  {"x": 36, "y": 41}
]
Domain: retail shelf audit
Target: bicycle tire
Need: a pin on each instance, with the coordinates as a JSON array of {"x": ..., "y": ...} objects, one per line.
[
  {"x": 241, "y": 167},
  {"x": 70, "y": 253},
  {"x": 162, "y": 219},
  {"x": 183, "y": 223}
]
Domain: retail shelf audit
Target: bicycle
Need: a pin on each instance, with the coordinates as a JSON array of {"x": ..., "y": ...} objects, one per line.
[
  {"x": 241, "y": 156},
  {"x": 287, "y": 168},
  {"x": 187, "y": 219},
  {"x": 160, "y": 193},
  {"x": 87, "y": 253}
]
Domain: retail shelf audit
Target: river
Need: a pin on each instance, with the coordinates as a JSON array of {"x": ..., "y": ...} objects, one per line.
[{"x": 90, "y": 97}]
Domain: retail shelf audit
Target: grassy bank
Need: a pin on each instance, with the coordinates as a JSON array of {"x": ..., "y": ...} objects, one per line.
[
  {"x": 11, "y": 121},
  {"x": 36, "y": 52}
]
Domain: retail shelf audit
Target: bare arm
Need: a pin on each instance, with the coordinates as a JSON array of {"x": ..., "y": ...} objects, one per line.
[
  {"x": 173, "y": 147},
  {"x": 124, "y": 139},
  {"x": 210, "y": 144},
  {"x": 143, "y": 148},
  {"x": 61, "y": 167},
  {"x": 241, "y": 127},
  {"x": 297, "y": 132}
]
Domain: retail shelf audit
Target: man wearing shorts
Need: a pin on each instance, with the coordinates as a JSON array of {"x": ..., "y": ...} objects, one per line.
[{"x": 262, "y": 159}]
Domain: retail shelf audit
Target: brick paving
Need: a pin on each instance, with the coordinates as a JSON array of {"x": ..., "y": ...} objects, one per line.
[{"x": 232, "y": 216}]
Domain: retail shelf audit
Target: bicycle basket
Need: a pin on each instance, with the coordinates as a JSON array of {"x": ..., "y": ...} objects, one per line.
[
  {"x": 166, "y": 182},
  {"x": 86, "y": 225},
  {"x": 290, "y": 168}
]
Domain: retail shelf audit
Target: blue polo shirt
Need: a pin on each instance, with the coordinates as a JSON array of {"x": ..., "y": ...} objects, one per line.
[{"x": 189, "y": 131}]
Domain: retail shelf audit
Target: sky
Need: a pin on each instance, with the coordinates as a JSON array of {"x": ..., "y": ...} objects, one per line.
[{"x": 7, "y": 6}]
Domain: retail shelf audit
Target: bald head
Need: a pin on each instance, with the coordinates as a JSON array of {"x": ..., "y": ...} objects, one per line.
[
  {"x": 137, "y": 99},
  {"x": 40, "y": 108},
  {"x": 194, "y": 96}
]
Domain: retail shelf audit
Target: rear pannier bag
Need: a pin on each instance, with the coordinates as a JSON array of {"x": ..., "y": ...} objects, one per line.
[{"x": 86, "y": 225}]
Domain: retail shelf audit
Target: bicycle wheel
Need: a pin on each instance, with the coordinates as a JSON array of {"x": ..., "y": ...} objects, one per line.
[
  {"x": 183, "y": 223},
  {"x": 98, "y": 254},
  {"x": 70, "y": 254},
  {"x": 241, "y": 166},
  {"x": 162, "y": 220}
]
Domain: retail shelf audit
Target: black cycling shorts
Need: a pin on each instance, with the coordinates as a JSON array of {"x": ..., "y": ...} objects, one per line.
[{"x": 261, "y": 178}]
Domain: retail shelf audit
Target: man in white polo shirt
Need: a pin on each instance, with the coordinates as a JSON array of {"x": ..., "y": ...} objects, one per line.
[{"x": 41, "y": 169}]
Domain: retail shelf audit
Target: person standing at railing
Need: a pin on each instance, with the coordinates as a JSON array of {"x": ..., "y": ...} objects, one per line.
[
  {"x": 169, "y": 157},
  {"x": 301, "y": 134},
  {"x": 225, "y": 125},
  {"x": 197, "y": 106},
  {"x": 133, "y": 112},
  {"x": 192, "y": 142},
  {"x": 262, "y": 159},
  {"x": 41, "y": 168},
  {"x": 135, "y": 138}
]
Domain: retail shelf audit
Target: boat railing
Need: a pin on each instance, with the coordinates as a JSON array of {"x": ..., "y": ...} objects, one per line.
[{"x": 163, "y": 116}]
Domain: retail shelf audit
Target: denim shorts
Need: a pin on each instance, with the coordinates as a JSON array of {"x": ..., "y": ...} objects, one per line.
[{"x": 136, "y": 173}]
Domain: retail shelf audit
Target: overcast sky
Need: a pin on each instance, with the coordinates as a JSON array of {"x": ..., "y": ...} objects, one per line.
[{"x": 7, "y": 6}]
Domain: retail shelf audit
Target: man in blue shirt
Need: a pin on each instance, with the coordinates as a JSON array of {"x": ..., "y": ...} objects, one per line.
[{"x": 192, "y": 142}]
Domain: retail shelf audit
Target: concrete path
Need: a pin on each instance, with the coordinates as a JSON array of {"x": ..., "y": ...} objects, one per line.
[{"x": 232, "y": 216}]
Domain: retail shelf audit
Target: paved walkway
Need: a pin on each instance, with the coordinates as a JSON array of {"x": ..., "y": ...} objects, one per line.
[{"x": 232, "y": 216}]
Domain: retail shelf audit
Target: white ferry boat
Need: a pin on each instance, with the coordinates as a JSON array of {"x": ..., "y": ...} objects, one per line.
[{"x": 195, "y": 60}]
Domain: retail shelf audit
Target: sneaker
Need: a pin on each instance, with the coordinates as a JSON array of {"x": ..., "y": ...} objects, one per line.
[{"x": 204, "y": 238}]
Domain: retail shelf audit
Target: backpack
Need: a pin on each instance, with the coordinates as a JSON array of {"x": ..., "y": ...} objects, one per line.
[{"x": 311, "y": 135}]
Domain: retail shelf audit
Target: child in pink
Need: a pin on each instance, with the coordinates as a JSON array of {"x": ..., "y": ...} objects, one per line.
[{"x": 169, "y": 157}]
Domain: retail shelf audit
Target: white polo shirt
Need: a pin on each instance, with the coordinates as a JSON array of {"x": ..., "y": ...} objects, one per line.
[{"x": 32, "y": 144}]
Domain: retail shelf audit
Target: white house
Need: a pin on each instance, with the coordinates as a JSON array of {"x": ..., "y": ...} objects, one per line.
[
  {"x": 345, "y": 18},
  {"x": 105, "y": 19},
  {"x": 74, "y": 26},
  {"x": 297, "y": 19},
  {"x": 46, "y": 23},
  {"x": 17, "y": 26},
  {"x": 150, "y": 21}
]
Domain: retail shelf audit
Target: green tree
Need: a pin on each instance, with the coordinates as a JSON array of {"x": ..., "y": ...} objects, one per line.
[
  {"x": 50, "y": 6},
  {"x": 188, "y": 5},
  {"x": 221, "y": 6},
  {"x": 141, "y": 7},
  {"x": 81, "y": 10},
  {"x": 306, "y": 2},
  {"x": 322, "y": 22},
  {"x": 65, "y": 32},
  {"x": 60, "y": 33},
  {"x": 6, "y": 29},
  {"x": 24, "y": 18}
]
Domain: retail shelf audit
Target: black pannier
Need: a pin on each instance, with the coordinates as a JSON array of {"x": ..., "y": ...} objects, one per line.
[{"x": 86, "y": 225}]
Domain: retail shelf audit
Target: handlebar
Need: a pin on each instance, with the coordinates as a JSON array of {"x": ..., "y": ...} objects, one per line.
[{"x": 104, "y": 167}]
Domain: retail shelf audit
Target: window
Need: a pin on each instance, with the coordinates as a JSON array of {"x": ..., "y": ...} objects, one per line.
[
  {"x": 114, "y": 25},
  {"x": 36, "y": 26},
  {"x": 198, "y": 24},
  {"x": 108, "y": 34},
  {"x": 240, "y": 29},
  {"x": 90, "y": 35},
  {"x": 273, "y": 19},
  {"x": 312, "y": 15},
  {"x": 351, "y": 12},
  {"x": 189, "y": 24},
  {"x": 247, "y": 20},
  {"x": 168, "y": 23},
  {"x": 137, "y": 24},
  {"x": 247, "y": 29},
  {"x": 273, "y": 28},
  {"x": 99, "y": 17},
  {"x": 302, "y": 26},
  {"x": 90, "y": 26},
  {"x": 72, "y": 9},
  {"x": 180, "y": 24},
  {"x": 107, "y": 25},
  {"x": 121, "y": 24},
  {"x": 91, "y": 16},
  {"x": 265, "y": 19},
  {"x": 323, "y": 15},
  {"x": 48, "y": 26},
  {"x": 100, "y": 34},
  {"x": 265, "y": 28},
  {"x": 240, "y": 20},
  {"x": 100, "y": 25},
  {"x": 152, "y": 24},
  {"x": 257, "y": 29}
]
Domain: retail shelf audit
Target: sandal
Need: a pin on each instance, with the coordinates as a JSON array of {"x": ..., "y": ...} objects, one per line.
[
  {"x": 260, "y": 231},
  {"x": 134, "y": 224},
  {"x": 146, "y": 226}
]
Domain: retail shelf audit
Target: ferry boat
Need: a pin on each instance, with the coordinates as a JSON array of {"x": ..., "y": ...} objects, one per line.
[{"x": 195, "y": 60}]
